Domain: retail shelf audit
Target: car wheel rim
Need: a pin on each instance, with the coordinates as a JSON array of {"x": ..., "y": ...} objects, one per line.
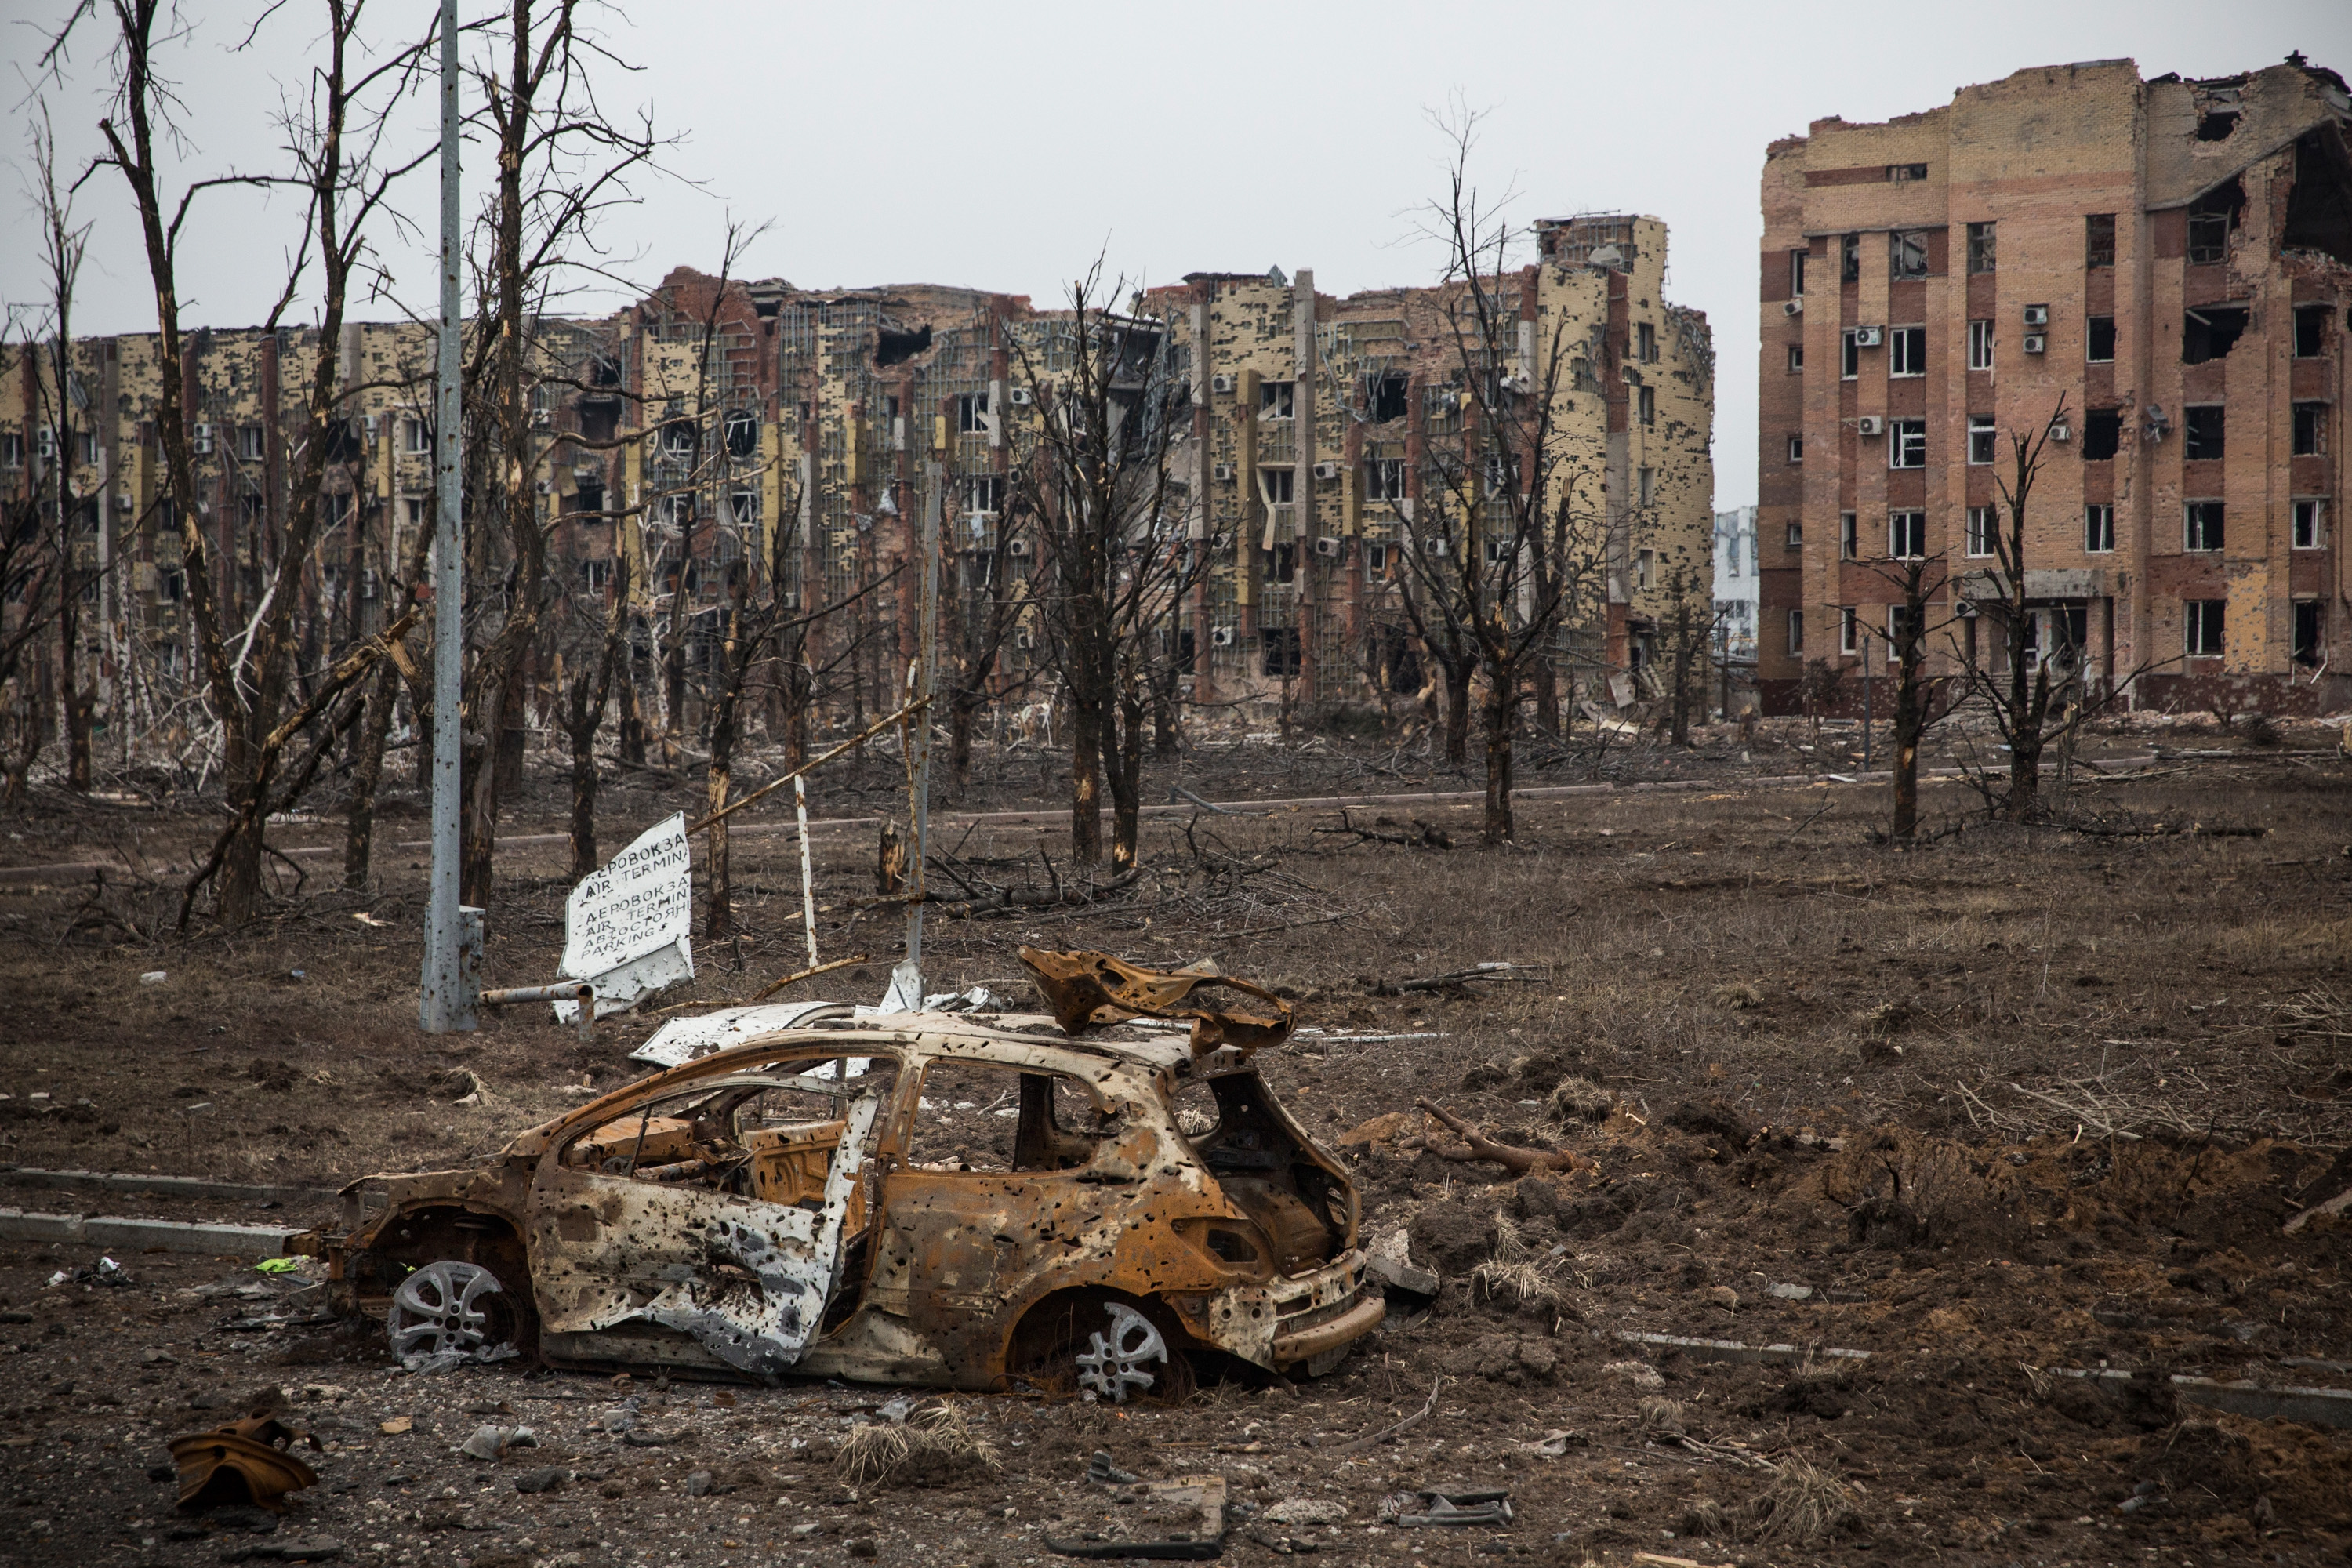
[
  {"x": 435, "y": 1310},
  {"x": 1111, "y": 1367}
]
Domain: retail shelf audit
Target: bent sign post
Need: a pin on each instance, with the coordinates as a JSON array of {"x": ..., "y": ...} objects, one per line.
[{"x": 627, "y": 925}]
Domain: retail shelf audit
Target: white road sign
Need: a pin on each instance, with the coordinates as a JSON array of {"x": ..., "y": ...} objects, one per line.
[{"x": 639, "y": 901}]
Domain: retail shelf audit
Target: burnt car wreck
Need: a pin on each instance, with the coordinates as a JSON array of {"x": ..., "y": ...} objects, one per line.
[{"x": 947, "y": 1200}]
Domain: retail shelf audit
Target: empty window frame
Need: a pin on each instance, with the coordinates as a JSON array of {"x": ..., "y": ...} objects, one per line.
[
  {"x": 2204, "y": 430},
  {"x": 415, "y": 437},
  {"x": 1984, "y": 527},
  {"x": 1906, "y": 535},
  {"x": 1796, "y": 448},
  {"x": 2099, "y": 239},
  {"x": 1388, "y": 398},
  {"x": 2307, "y": 632},
  {"x": 2203, "y": 527},
  {"x": 1795, "y": 539},
  {"x": 2211, "y": 216},
  {"x": 12, "y": 449},
  {"x": 1645, "y": 404},
  {"x": 2201, "y": 627},
  {"x": 1385, "y": 478},
  {"x": 2307, "y": 523},
  {"x": 1796, "y": 631},
  {"x": 1982, "y": 438},
  {"x": 1275, "y": 399},
  {"x": 1276, "y": 485},
  {"x": 2102, "y": 434},
  {"x": 1797, "y": 274},
  {"x": 1981, "y": 247},
  {"x": 1645, "y": 485},
  {"x": 1849, "y": 629},
  {"x": 1904, "y": 174},
  {"x": 1906, "y": 253},
  {"x": 2098, "y": 528},
  {"x": 249, "y": 443},
  {"x": 971, "y": 412},
  {"x": 1849, "y": 355},
  {"x": 2099, "y": 339},
  {"x": 1645, "y": 569},
  {"x": 983, "y": 494},
  {"x": 743, "y": 507},
  {"x": 2210, "y": 331},
  {"x": 1849, "y": 537},
  {"x": 1848, "y": 258},
  {"x": 2310, "y": 331},
  {"x": 1645, "y": 342},
  {"x": 1907, "y": 351},
  {"x": 1796, "y": 358},
  {"x": 595, "y": 575},
  {"x": 1980, "y": 345},
  {"x": 1906, "y": 443},
  {"x": 741, "y": 433},
  {"x": 2310, "y": 430}
]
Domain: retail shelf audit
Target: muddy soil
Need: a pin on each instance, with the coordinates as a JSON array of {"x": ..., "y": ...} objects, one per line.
[{"x": 2008, "y": 1105}]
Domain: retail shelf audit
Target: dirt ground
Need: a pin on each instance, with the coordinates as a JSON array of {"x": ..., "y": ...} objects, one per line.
[{"x": 2012, "y": 1103}]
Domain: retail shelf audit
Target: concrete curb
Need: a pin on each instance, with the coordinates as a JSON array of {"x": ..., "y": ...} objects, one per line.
[
  {"x": 144, "y": 1234},
  {"x": 1732, "y": 1350},
  {"x": 161, "y": 1186},
  {"x": 2311, "y": 1406}
]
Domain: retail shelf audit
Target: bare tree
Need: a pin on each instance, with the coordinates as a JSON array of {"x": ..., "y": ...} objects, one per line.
[
  {"x": 1502, "y": 547},
  {"x": 63, "y": 399},
  {"x": 27, "y": 565},
  {"x": 1092, "y": 471},
  {"x": 1921, "y": 580},
  {"x": 2019, "y": 695},
  {"x": 560, "y": 164},
  {"x": 337, "y": 131},
  {"x": 981, "y": 612}
]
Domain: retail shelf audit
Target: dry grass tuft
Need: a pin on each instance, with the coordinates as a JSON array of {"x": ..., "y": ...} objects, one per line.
[
  {"x": 1803, "y": 1505},
  {"x": 1526, "y": 1276},
  {"x": 1663, "y": 1418},
  {"x": 934, "y": 1447},
  {"x": 1738, "y": 998},
  {"x": 1574, "y": 1100}
]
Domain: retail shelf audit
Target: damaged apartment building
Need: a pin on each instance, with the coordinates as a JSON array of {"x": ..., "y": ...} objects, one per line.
[
  {"x": 675, "y": 439},
  {"x": 2172, "y": 258}
]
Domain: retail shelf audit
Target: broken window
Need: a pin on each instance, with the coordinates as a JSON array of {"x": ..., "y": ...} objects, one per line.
[
  {"x": 342, "y": 443},
  {"x": 2307, "y": 525},
  {"x": 980, "y": 1118},
  {"x": 743, "y": 432},
  {"x": 2310, "y": 331},
  {"x": 1280, "y": 645},
  {"x": 2211, "y": 331},
  {"x": 1385, "y": 478},
  {"x": 587, "y": 500},
  {"x": 2203, "y": 630},
  {"x": 1284, "y": 563},
  {"x": 2204, "y": 525},
  {"x": 1980, "y": 345},
  {"x": 2206, "y": 425},
  {"x": 1645, "y": 342},
  {"x": 1797, "y": 274},
  {"x": 1275, "y": 399},
  {"x": 1645, "y": 404},
  {"x": 1277, "y": 485},
  {"x": 2308, "y": 633},
  {"x": 679, "y": 436},
  {"x": 1796, "y": 631},
  {"x": 1904, "y": 174},
  {"x": 2211, "y": 218},
  {"x": 1645, "y": 569},
  {"x": 2215, "y": 124},
  {"x": 1389, "y": 399},
  {"x": 1906, "y": 535},
  {"x": 1796, "y": 448},
  {"x": 596, "y": 576},
  {"x": 2320, "y": 207},
  {"x": 1849, "y": 629},
  {"x": 2098, "y": 528},
  {"x": 2099, "y": 339},
  {"x": 1796, "y": 358},
  {"x": 971, "y": 412},
  {"x": 983, "y": 494},
  {"x": 1980, "y": 253},
  {"x": 1850, "y": 355},
  {"x": 1983, "y": 527},
  {"x": 1907, "y": 351},
  {"x": 893, "y": 347},
  {"x": 2099, "y": 239},
  {"x": 1645, "y": 485},
  {"x": 1849, "y": 258},
  {"x": 1906, "y": 253},
  {"x": 12, "y": 450},
  {"x": 248, "y": 443},
  {"x": 2310, "y": 430},
  {"x": 1982, "y": 442},
  {"x": 743, "y": 507},
  {"x": 1849, "y": 537},
  {"x": 1906, "y": 444},
  {"x": 1795, "y": 539},
  {"x": 2102, "y": 434},
  {"x": 600, "y": 421}
]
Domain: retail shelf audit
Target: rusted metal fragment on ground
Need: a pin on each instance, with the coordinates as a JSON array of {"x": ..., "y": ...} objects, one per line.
[
  {"x": 1178, "y": 1521},
  {"x": 1092, "y": 988},
  {"x": 246, "y": 1462}
]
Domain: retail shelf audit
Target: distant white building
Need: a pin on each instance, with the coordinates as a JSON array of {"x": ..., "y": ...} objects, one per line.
[{"x": 1736, "y": 582}]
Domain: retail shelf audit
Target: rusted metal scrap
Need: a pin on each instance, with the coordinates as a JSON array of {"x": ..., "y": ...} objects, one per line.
[
  {"x": 1508, "y": 1155},
  {"x": 247, "y": 1461},
  {"x": 1088, "y": 988}
]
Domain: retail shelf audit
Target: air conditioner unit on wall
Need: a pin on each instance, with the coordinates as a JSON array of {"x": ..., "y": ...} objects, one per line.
[
  {"x": 1794, "y": 307},
  {"x": 1021, "y": 397},
  {"x": 1016, "y": 547},
  {"x": 1871, "y": 424},
  {"x": 201, "y": 440},
  {"x": 1433, "y": 546},
  {"x": 2036, "y": 343},
  {"x": 1869, "y": 337},
  {"x": 1224, "y": 472},
  {"x": 2059, "y": 432},
  {"x": 1221, "y": 637},
  {"x": 1221, "y": 384},
  {"x": 1326, "y": 470},
  {"x": 2037, "y": 315},
  {"x": 1330, "y": 547},
  {"x": 1024, "y": 640}
]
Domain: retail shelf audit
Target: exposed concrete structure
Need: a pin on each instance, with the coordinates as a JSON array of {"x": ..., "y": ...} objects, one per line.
[{"x": 2172, "y": 257}]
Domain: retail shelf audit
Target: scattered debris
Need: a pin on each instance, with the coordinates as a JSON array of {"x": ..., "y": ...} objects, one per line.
[
  {"x": 249, "y": 1462},
  {"x": 1086, "y": 988},
  {"x": 1556, "y": 1443},
  {"x": 491, "y": 1443},
  {"x": 1640, "y": 1374},
  {"x": 1390, "y": 1433},
  {"x": 1419, "y": 1507},
  {"x": 1178, "y": 1521},
  {"x": 938, "y": 1448},
  {"x": 545, "y": 1478},
  {"x": 1454, "y": 980},
  {"x": 1103, "y": 1472},
  {"x": 1307, "y": 1510},
  {"x": 1403, "y": 1280}
]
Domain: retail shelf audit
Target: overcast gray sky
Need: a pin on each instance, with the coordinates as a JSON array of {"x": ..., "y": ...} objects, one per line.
[{"x": 1002, "y": 147}]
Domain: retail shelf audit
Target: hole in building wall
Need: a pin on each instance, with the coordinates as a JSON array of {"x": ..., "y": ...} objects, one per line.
[
  {"x": 2211, "y": 331},
  {"x": 894, "y": 346},
  {"x": 2216, "y": 125},
  {"x": 2319, "y": 208},
  {"x": 2213, "y": 217},
  {"x": 2103, "y": 431}
]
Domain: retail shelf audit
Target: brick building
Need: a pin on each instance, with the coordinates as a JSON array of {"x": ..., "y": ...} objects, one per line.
[{"x": 2174, "y": 259}]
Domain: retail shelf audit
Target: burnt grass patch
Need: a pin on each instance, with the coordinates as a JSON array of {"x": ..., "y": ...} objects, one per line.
[{"x": 2018, "y": 1101}]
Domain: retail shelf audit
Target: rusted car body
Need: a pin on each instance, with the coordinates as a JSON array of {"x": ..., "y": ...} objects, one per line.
[{"x": 919, "y": 1198}]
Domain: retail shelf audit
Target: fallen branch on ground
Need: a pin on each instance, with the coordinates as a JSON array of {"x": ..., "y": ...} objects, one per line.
[
  {"x": 1509, "y": 972},
  {"x": 1507, "y": 1155},
  {"x": 1390, "y": 1432}
]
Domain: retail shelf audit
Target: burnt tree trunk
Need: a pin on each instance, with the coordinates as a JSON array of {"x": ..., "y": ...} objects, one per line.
[
  {"x": 1501, "y": 716},
  {"x": 1457, "y": 673},
  {"x": 367, "y": 776}
]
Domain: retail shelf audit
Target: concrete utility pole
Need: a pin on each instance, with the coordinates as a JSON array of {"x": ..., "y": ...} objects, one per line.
[
  {"x": 443, "y": 1004},
  {"x": 918, "y": 732}
]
